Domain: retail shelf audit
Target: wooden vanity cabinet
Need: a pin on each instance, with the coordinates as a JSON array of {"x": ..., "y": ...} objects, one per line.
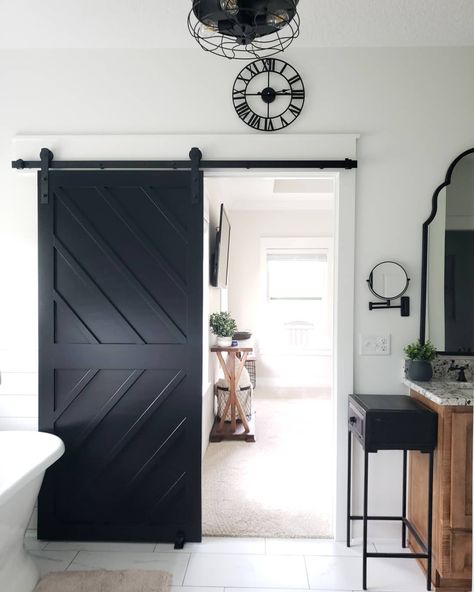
[{"x": 452, "y": 497}]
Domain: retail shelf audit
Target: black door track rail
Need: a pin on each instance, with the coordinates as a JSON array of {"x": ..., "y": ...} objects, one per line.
[{"x": 47, "y": 162}]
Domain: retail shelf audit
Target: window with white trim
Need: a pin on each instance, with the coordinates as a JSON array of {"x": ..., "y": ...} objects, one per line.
[{"x": 297, "y": 311}]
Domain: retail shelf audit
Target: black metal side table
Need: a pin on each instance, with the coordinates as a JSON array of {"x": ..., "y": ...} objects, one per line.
[{"x": 391, "y": 422}]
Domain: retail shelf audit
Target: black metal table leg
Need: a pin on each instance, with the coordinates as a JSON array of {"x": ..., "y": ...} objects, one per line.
[
  {"x": 404, "y": 501},
  {"x": 380, "y": 424},
  {"x": 349, "y": 483},
  {"x": 364, "y": 518},
  {"x": 430, "y": 520}
]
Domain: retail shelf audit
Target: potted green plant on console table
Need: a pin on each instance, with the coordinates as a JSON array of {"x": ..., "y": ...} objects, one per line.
[
  {"x": 223, "y": 326},
  {"x": 420, "y": 356}
]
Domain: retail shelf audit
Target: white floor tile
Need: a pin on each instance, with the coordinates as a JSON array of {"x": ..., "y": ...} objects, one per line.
[
  {"x": 244, "y": 546},
  {"x": 268, "y": 590},
  {"x": 33, "y": 523},
  {"x": 390, "y": 547},
  {"x": 345, "y": 573},
  {"x": 246, "y": 571},
  {"x": 48, "y": 561},
  {"x": 171, "y": 562},
  {"x": 314, "y": 547},
  {"x": 198, "y": 589},
  {"x": 31, "y": 543},
  {"x": 106, "y": 547},
  {"x": 169, "y": 548}
]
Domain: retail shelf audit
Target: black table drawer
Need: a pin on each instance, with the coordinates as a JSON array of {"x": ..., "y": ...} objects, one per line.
[
  {"x": 392, "y": 422},
  {"x": 356, "y": 421}
]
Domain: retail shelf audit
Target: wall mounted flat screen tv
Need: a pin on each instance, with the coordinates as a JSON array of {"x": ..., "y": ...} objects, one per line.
[{"x": 220, "y": 259}]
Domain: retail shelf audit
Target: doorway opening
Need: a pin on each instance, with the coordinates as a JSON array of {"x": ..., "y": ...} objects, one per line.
[{"x": 281, "y": 290}]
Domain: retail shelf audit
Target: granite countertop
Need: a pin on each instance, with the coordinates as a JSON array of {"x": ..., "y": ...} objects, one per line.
[{"x": 444, "y": 392}]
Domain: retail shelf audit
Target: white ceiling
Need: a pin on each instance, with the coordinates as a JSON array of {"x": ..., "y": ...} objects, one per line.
[
  {"x": 257, "y": 193},
  {"x": 162, "y": 23}
]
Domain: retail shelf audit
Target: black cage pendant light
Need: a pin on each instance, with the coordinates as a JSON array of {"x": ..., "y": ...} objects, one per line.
[{"x": 244, "y": 29}]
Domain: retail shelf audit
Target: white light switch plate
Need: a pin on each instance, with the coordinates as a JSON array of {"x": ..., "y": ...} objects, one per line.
[{"x": 374, "y": 345}]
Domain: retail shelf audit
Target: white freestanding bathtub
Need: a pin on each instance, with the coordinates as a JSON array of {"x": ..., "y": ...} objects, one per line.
[{"x": 24, "y": 458}]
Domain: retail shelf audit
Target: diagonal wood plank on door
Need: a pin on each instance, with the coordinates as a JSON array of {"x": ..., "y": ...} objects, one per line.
[
  {"x": 107, "y": 305},
  {"x": 126, "y": 273},
  {"x": 105, "y": 194}
]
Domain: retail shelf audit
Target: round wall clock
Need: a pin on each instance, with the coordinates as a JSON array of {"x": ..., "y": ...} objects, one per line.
[{"x": 268, "y": 94}]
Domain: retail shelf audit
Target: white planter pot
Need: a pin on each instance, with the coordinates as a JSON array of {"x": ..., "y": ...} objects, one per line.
[{"x": 224, "y": 341}]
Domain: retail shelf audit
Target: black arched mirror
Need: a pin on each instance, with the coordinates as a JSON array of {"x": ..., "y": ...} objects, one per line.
[
  {"x": 447, "y": 275},
  {"x": 388, "y": 281}
]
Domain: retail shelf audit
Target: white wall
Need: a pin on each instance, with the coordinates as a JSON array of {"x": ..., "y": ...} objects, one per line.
[
  {"x": 412, "y": 107},
  {"x": 211, "y": 303},
  {"x": 248, "y": 228}
]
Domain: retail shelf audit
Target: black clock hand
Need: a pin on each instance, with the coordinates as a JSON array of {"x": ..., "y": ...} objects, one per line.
[{"x": 283, "y": 92}]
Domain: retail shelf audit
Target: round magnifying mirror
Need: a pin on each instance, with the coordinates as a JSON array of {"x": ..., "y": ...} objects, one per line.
[{"x": 388, "y": 280}]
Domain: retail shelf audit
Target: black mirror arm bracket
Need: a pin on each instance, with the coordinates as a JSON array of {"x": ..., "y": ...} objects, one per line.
[{"x": 404, "y": 305}]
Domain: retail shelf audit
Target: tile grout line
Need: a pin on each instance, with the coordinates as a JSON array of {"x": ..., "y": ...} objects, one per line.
[
  {"x": 306, "y": 570},
  {"x": 71, "y": 562},
  {"x": 186, "y": 568}
]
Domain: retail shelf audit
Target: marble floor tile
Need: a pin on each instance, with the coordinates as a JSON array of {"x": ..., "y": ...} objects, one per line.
[
  {"x": 242, "y": 564},
  {"x": 108, "y": 547},
  {"x": 198, "y": 589},
  {"x": 221, "y": 545},
  {"x": 49, "y": 561},
  {"x": 345, "y": 573},
  {"x": 252, "y": 571},
  {"x": 31, "y": 543},
  {"x": 314, "y": 547}
]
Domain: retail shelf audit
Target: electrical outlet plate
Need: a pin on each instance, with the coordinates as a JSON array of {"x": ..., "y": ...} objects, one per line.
[{"x": 374, "y": 345}]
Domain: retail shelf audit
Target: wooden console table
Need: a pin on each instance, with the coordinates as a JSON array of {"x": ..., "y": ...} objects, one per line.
[{"x": 233, "y": 430}]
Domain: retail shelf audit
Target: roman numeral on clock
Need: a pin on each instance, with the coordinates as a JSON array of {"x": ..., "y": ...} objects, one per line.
[
  {"x": 297, "y": 94},
  {"x": 269, "y": 127},
  {"x": 238, "y": 94},
  {"x": 244, "y": 78},
  {"x": 294, "y": 79},
  {"x": 254, "y": 121},
  {"x": 269, "y": 65},
  {"x": 254, "y": 68},
  {"x": 294, "y": 110},
  {"x": 242, "y": 110}
]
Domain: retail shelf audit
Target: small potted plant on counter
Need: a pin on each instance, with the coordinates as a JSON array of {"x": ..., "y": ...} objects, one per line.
[
  {"x": 224, "y": 327},
  {"x": 420, "y": 356}
]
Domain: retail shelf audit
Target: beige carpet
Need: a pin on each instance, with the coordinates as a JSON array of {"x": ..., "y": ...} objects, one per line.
[
  {"x": 281, "y": 485},
  {"x": 105, "y": 581}
]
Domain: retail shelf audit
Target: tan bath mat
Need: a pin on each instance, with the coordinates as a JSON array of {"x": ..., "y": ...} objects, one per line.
[{"x": 105, "y": 581}]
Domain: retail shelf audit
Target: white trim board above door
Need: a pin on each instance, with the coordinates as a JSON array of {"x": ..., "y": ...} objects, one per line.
[
  {"x": 283, "y": 147},
  {"x": 177, "y": 146}
]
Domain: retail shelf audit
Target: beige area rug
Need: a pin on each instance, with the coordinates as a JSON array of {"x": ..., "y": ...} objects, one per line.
[
  {"x": 105, "y": 581},
  {"x": 281, "y": 485}
]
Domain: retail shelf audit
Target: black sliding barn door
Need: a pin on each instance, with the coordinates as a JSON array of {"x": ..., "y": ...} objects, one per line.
[{"x": 120, "y": 338}]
